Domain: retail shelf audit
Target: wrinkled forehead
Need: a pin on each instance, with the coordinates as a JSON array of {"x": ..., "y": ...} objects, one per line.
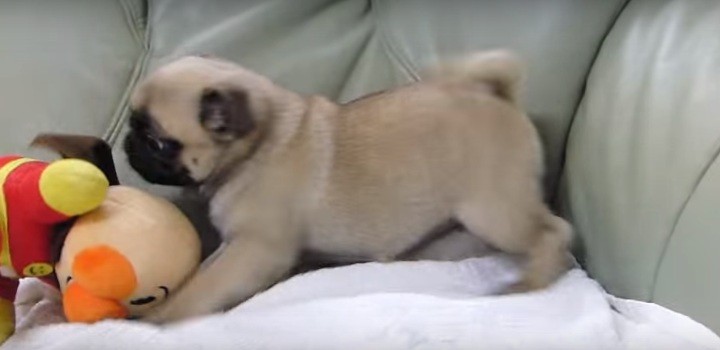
[
  {"x": 169, "y": 98},
  {"x": 179, "y": 79},
  {"x": 166, "y": 112},
  {"x": 179, "y": 121}
]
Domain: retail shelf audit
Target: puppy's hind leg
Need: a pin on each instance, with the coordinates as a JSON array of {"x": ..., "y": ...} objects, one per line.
[
  {"x": 549, "y": 257},
  {"x": 525, "y": 228}
]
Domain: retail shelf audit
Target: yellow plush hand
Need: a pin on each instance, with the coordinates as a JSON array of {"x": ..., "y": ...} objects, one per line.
[
  {"x": 73, "y": 187},
  {"x": 7, "y": 319}
]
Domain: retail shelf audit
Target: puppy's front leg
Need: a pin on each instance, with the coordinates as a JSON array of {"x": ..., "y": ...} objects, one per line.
[{"x": 247, "y": 264}]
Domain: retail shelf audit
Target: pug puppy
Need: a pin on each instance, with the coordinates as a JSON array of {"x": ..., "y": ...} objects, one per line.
[{"x": 369, "y": 179}]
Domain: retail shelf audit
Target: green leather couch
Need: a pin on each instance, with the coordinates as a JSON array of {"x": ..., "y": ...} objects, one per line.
[{"x": 626, "y": 95}]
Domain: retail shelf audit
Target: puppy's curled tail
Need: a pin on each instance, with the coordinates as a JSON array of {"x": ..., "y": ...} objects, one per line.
[{"x": 499, "y": 70}]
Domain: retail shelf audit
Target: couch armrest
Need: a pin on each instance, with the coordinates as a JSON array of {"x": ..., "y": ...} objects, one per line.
[{"x": 642, "y": 180}]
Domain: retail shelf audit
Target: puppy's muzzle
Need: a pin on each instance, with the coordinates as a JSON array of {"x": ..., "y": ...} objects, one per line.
[{"x": 157, "y": 160}]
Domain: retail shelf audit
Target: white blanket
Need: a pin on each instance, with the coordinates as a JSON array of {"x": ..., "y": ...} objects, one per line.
[{"x": 406, "y": 305}]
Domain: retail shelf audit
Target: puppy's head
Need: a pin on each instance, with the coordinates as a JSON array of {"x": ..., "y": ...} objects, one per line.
[{"x": 193, "y": 116}]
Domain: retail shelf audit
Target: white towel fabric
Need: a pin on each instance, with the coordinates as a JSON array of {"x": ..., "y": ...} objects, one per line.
[{"x": 404, "y": 305}]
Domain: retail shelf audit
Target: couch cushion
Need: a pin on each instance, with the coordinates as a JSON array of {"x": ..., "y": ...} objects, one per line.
[
  {"x": 642, "y": 175},
  {"x": 64, "y": 66},
  {"x": 558, "y": 39}
]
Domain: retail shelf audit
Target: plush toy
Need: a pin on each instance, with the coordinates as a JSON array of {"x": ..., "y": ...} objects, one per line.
[
  {"x": 125, "y": 257},
  {"x": 117, "y": 251},
  {"x": 35, "y": 196}
]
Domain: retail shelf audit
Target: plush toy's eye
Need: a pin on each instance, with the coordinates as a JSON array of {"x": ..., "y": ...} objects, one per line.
[
  {"x": 143, "y": 301},
  {"x": 68, "y": 279},
  {"x": 150, "y": 299}
]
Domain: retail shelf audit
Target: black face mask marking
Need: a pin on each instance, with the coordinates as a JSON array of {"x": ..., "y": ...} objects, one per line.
[{"x": 154, "y": 157}]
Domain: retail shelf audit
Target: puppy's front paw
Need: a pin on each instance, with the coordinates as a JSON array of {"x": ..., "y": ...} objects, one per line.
[
  {"x": 158, "y": 316},
  {"x": 173, "y": 311},
  {"x": 531, "y": 283},
  {"x": 165, "y": 314},
  {"x": 519, "y": 287}
]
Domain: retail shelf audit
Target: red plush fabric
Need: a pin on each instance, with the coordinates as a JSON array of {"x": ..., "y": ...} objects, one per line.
[
  {"x": 30, "y": 220},
  {"x": 7, "y": 159}
]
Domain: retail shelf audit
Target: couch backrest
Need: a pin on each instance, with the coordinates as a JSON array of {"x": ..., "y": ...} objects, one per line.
[
  {"x": 65, "y": 66},
  {"x": 68, "y": 66},
  {"x": 642, "y": 175}
]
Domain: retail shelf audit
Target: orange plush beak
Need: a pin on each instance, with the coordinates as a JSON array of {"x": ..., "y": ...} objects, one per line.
[{"x": 102, "y": 277}]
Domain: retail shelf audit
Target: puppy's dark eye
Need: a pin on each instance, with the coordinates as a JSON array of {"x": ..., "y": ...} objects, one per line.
[
  {"x": 156, "y": 144},
  {"x": 163, "y": 147}
]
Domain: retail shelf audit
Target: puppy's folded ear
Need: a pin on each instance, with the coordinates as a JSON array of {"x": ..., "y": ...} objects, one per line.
[
  {"x": 92, "y": 149},
  {"x": 225, "y": 113}
]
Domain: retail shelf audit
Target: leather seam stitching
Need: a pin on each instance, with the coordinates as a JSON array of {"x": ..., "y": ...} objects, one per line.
[
  {"x": 405, "y": 65},
  {"x": 131, "y": 19},
  {"x": 122, "y": 110},
  {"x": 578, "y": 104},
  {"x": 362, "y": 49},
  {"x": 681, "y": 211}
]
